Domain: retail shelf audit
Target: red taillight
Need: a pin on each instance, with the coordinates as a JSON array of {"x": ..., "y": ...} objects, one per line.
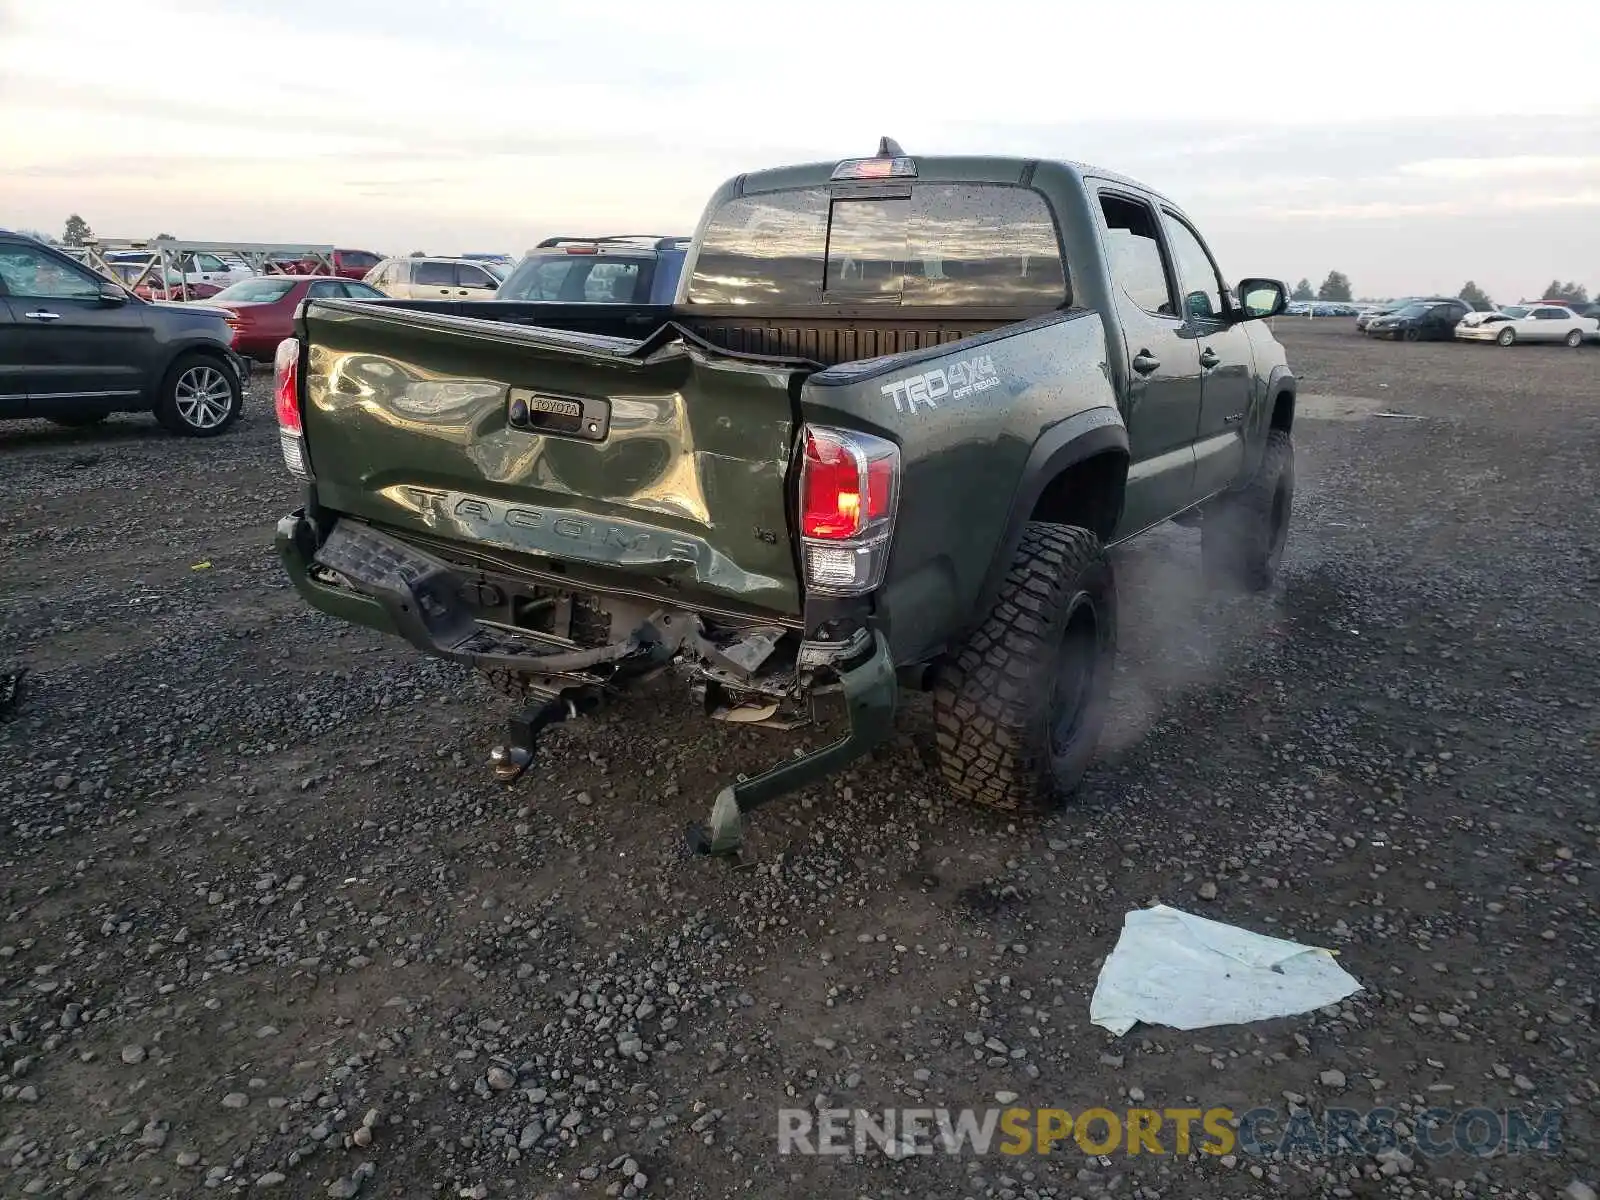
[
  {"x": 583, "y": 249},
  {"x": 847, "y": 483},
  {"x": 830, "y": 489},
  {"x": 849, "y": 488},
  {"x": 286, "y": 385}
]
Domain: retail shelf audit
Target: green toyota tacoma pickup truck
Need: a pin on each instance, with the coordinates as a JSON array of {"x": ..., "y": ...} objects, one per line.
[{"x": 883, "y": 439}]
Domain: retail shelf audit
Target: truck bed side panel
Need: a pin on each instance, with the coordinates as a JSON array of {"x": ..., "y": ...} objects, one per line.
[
  {"x": 406, "y": 417},
  {"x": 967, "y": 420}
]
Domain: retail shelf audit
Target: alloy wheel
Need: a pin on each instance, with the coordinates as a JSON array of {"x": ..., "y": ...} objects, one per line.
[{"x": 204, "y": 397}]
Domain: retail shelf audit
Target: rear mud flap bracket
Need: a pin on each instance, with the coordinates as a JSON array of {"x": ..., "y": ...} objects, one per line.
[{"x": 870, "y": 692}]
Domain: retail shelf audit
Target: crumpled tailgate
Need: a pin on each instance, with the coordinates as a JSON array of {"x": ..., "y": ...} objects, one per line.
[{"x": 663, "y": 458}]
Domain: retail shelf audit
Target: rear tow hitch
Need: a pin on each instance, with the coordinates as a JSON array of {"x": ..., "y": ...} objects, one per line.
[
  {"x": 869, "y": 692},
  {"x": 512, "y": 759}
]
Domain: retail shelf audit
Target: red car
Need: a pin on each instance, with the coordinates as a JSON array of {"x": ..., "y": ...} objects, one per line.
[
  {"x": 261, "y": 310},
  {"x": 150, "y": 287},
  {"x": 347, "y": 264},
  {"x": 175, "y": 290}
]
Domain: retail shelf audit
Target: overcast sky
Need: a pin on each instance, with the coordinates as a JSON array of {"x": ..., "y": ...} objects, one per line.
[{"x": 1411, "y": 146}]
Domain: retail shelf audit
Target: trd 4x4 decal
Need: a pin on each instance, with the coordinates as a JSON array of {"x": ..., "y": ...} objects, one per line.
[{"x": 966, "y": 377}]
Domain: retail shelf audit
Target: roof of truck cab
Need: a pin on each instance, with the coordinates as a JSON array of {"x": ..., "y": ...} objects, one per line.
[{"x": 953, "y": 168}]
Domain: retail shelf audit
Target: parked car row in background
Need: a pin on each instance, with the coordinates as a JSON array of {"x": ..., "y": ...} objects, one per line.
[
  {"x": 1321, "y": 308},
  {"x": 178, "y": 340},
  {"x": 1449, "y": 318}
]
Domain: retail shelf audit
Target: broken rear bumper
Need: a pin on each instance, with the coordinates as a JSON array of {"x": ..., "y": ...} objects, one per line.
[
  {"x": 399, "y": 590},
  {"x": 295, "y": 547}
]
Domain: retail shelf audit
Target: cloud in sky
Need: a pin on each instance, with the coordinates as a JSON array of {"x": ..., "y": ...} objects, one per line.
[{"x": 1408, "y": 151}]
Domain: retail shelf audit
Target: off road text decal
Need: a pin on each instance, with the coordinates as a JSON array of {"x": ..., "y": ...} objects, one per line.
[{"x": 961, "y": 379}]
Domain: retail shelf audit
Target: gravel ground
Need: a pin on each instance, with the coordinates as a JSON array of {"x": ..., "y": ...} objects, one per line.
[{"x": 267, "y": 925}]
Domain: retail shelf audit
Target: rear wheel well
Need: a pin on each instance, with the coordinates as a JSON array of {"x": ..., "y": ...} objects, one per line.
[
  {"x": 1283, "y": 411},
  {"x": 1087, "y": 494},
  {"x": 208, "y": 350}
]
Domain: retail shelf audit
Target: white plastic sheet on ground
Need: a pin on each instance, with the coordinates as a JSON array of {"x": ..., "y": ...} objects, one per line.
[{"x": 1174, "y": 968}]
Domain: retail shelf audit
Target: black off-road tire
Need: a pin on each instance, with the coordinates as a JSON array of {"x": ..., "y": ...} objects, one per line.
[
  {"x": 1244, "y": 533},
  {"x": 180, "y": 407},
  {"x": 1019, "y": 712}
]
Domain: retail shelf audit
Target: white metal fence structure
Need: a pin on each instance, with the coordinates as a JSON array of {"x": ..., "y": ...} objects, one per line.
[{"x": 167, "y": 263}]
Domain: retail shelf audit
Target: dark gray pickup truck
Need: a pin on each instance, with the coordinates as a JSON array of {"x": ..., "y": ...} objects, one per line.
[{"x": 900, "y": 409}]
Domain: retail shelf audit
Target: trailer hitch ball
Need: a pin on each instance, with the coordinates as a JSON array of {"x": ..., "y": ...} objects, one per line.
[
  {"x": 515, "y": 755},
  {"x": 510, "y": 762}
]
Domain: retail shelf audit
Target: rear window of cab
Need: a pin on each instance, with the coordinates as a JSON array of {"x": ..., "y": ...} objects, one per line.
[{"x": 927, "y": 244}]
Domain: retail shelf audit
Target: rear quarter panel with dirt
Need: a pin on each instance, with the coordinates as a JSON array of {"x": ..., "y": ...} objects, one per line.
[{"x": 967, "y": 418}]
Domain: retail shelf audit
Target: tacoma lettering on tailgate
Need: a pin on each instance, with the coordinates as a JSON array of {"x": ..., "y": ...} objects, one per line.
[{"x": 544, "y": 529}]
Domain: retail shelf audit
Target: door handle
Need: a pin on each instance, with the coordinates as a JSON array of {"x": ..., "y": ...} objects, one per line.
[
  {"x": 1209, "y": 358},
  {"x": 41, "y": 315},
  {"x": 1144, "y": 362}
]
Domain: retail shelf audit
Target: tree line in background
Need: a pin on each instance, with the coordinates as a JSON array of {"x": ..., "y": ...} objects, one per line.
[
  {"x": 1337, "y": 287},
  {"x": 75, "y": 233}
]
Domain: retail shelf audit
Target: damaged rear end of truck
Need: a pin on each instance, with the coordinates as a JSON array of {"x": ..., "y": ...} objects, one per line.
[
  {"x": 571, "y": 500},
  {"x": 571, "y": 512}
]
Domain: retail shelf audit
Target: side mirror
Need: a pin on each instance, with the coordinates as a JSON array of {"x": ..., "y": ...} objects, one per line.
[
  {"x": 1260, "y": 298},
  {"x": 110, "y": 293}
]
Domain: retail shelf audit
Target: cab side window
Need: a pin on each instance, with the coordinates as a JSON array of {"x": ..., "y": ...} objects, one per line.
[
  {"x": 1134, "y": 253},
  {"x": 440, "y": 274},
  {"x": 1198, "y": 277},
  {"x": 36, "y": 275}
]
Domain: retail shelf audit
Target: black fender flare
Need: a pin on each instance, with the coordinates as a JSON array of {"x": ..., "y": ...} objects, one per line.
[
  {"x": 1279, "y": 380},
  {"x": 1075, "y": 440}
]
